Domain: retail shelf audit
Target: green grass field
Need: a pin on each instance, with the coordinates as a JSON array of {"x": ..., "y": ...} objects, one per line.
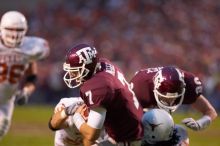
[{"x": 30, "y": 128}]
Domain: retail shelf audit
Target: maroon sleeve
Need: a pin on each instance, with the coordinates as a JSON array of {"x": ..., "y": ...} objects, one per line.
[
  {"x": 143, "y": 88},
  {"x": 139, "y": 88},
  {"x": 193, "y": 88}
]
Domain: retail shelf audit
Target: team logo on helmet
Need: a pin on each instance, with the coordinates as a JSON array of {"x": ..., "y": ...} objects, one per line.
[
  {"x": 158, "y": 79},
  {"x": 86, "y": 55}
]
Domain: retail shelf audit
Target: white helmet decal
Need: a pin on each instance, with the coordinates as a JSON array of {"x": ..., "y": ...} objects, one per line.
[
  {"x": 89, "y": 55},
  {"x": 158, "y": 126},
  {"x": 158, "y": 79}
]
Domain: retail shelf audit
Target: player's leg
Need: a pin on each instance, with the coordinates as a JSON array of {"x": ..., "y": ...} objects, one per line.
[{"x": 6, "y": 111}]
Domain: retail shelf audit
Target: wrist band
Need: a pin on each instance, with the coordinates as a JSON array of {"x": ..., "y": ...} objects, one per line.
[
  {"x": 78, "y": 120},
  {"x": 204, "y": 122}
]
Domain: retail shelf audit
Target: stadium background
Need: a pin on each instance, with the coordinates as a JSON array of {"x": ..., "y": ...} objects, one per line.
[{"x": 134, "y": 34}]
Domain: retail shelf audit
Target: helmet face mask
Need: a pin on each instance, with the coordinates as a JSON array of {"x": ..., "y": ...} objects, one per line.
[
  {"x": 80, "y": 65},
  {"x": 13, "y": 28},
  {"x": 74, "y": 76},
  {"x": 168, "y": 103},
  {"x": 169, "y": 88}
]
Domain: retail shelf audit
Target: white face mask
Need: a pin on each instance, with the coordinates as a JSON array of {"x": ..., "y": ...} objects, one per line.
[
  {"x": 74, "y": 76},
  {"x": 170, "y": 103},
  {"x": 12, "y": 38}
]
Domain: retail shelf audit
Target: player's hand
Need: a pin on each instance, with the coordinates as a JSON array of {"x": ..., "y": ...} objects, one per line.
[
  {"x": 191, "y": 123},
  {"x": 200, "y": 124},
  {"x": 21, "y": 97},
  {"x": 59, "y": 108},
  {"x": 70, "y": 110},
  {"x": 83, "y": 111}
]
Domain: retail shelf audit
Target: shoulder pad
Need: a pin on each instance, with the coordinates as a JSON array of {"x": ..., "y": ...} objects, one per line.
[{"x": 35, "y": 47}]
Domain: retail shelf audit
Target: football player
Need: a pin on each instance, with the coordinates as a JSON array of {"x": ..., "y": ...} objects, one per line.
[
  {"x": 66, "y": 133},
  {"x": 107, "y": 94},
  {"x": 168, "y": 88},
  {"x": 160, "y": 130},
  {"x": 18, "y": 56}
]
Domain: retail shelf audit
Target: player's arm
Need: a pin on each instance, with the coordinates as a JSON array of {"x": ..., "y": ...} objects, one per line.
[
  {"x": 58, "y": 120},
  {"x": 209, "y": 114},
  {"x": 203, "y": 105},
  {"x": 91, "y": 128},
  {"x": 63, "y": 113},
  {"x": 28, "y": 86},
  {"x": 31, "y": 77}
]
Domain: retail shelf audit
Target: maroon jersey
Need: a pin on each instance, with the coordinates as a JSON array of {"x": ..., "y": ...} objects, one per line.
[
  {"x": 109, "y": 89},
  {"x": 143, "y": 87}
]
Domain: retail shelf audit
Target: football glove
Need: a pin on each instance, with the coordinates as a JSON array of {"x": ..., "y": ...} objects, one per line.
[
  {"x": 200, "y": 124},
  {"x": 21, "y": 97},
  {"x": 70, "y": 110}
]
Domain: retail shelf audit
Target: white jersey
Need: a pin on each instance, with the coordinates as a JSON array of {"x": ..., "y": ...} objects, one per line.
[
  {"x": 69, "y": 136},
  {"x": 15, "y": 61}
]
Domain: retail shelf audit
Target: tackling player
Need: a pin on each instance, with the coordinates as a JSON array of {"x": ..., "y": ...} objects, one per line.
[
  {"x": 18, "y": 56},
  {"x": 168, "y": 88},
  {"x": 108, "y": 95},
  {"x": 66, "y": 133}
]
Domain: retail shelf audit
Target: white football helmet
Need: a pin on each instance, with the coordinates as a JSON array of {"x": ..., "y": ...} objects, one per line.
[
  {"x": 158, "y": 126},
  {"x": 13, "y": 28}
]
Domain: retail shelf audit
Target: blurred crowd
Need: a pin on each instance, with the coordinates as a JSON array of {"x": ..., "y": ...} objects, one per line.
[{"x": 134, "y": 34}]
